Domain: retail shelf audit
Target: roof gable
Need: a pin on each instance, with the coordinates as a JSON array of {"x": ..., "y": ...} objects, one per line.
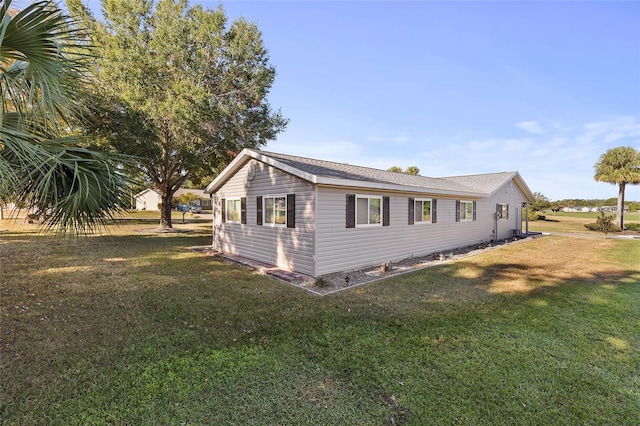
[{"x": 145, "y": 191}]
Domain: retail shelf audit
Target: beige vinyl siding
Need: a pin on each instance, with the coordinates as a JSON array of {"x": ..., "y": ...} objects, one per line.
[
  {"x": 324, "y": 244},
  {"x": 341, "y": 249},
  {"x": 513, "y": 196},
  {"x": 148, "y": 201},
  {"x": 290, "y": 249}
]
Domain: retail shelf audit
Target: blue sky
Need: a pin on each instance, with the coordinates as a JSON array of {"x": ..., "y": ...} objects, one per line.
[{"x": 456, "y": 87}]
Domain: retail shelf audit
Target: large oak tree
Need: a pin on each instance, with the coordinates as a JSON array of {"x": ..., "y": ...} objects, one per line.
[
  {"x": 181, "y": 88},
  {"x": 619, "y": 166}
]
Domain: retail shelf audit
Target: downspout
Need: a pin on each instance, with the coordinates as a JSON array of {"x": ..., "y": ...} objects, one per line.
[
  {"x": 315, "y": 231},
  {"x": 213, "y": 222}
]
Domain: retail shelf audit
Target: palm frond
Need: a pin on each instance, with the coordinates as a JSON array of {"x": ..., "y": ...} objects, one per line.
[
  {"x": 80, "y": 189},
  {"x": 40, "y": 62},
  {"x": 43, "y": 63}
]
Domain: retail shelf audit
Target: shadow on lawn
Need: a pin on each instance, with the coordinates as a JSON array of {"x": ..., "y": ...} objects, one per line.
[
  {"x": 116, "y": 306},
  {"x": 464, "y": 282}
]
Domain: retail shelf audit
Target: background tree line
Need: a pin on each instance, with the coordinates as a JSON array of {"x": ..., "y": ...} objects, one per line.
[{"x": 542, "y": 203}]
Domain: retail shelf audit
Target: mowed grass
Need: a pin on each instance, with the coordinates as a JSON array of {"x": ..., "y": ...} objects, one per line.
[
  {"x": 135, "y": 329},
  {"x": 573, "y": 222}
]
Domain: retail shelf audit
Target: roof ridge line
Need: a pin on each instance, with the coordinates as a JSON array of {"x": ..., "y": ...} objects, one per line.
[{"x": 271, "y": 153}]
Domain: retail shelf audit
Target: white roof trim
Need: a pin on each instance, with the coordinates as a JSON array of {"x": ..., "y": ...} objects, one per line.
[
  {"x": 524, "y": 187},
  {"x": 282, "y": 166},
  {"x": 240, "y": 161},
  {"x": 144, "y": 191},
  {"x": 515, "y": 177},
  {"x": 228, "y": 171}
]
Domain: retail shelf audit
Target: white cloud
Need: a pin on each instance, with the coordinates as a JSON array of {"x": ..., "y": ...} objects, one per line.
[
  {"x": 563, "y": 163},
  {"x": 559, "y": 162},
  {"x": 531, "y": 127},
  {"x": 610, "y": 130}
]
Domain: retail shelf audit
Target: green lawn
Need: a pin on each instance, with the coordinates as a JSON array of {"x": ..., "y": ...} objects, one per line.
[
  {"x": 135, "y": 329},
  {"x": 572, "y": 222}
]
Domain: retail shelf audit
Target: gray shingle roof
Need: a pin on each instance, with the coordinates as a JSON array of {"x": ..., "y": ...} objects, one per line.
[
  {"x": 347, "y": 175},
  {"x": 366, "y": 174},
  {"x": 488, "y": 182}
]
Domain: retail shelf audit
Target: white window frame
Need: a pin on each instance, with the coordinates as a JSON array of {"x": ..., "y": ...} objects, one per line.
[
  {"x": 415, "y": 210},
  {"x": 228, "y": 218},
  {"x": 463, "y": 211},
  {"x": 264, "y": 210},
  {"x": 369, "y": 198},
  {"x": 504, "y": 211}
]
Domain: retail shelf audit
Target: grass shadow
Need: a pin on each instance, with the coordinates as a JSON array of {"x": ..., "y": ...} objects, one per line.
[{"x": 130, "y": 328}]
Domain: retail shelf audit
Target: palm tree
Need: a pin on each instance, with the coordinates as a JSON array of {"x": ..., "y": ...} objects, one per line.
[
  {"x": 43, "y": 73},
  {"x": 619, "y": 166}
]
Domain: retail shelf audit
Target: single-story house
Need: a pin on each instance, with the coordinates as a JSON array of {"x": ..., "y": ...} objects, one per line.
[
  {"x": 151, "y": 199},
  {"x": 580, "y": 209},
  {"x": 317, "y": 217},
  {"x": 148, "y": 199}
]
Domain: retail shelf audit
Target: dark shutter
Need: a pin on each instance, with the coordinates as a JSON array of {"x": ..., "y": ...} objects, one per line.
[
  {"x": 434, "y": 211},
  {"x": 412, "y": 206},
  {"x": 224, "y": 210},
  {"x": 498, "y": 211},
  {"x": 291, "y": 210},
  {"x": 457, "y": 210},
  {"x": 243, "y": 210},
  {"x": 259, "y": 210},
  {"x": 507, "y": 211},
  {"x": 385, "y": 211},
  {"x": 351, "y": 210},
  {"x": 474, "y": 210}
]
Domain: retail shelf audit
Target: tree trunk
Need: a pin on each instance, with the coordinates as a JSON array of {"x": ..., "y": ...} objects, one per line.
[
  {"x": 165, "y": 211},
  {"x": 620, "y": 211}
]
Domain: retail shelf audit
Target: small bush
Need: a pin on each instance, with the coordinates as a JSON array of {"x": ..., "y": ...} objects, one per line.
[
  {"x": 322, "y": 282},
  {"x": 386, "y": 267},
  {"x": 597, "y": 227},
  {"x": 533, "y": 215},
  {"x": 633, "y": 226}
]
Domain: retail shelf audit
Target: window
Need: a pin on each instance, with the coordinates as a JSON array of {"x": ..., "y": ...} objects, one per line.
[
  {"x": 232, "y": 210},
  {"x": 368, "y": 210},
  {"x": 275, "y": 210},
  {"x": 465, "y": 211},
  {"x": 422, "y": 211},
  {"x": 502, "y": 211}
]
